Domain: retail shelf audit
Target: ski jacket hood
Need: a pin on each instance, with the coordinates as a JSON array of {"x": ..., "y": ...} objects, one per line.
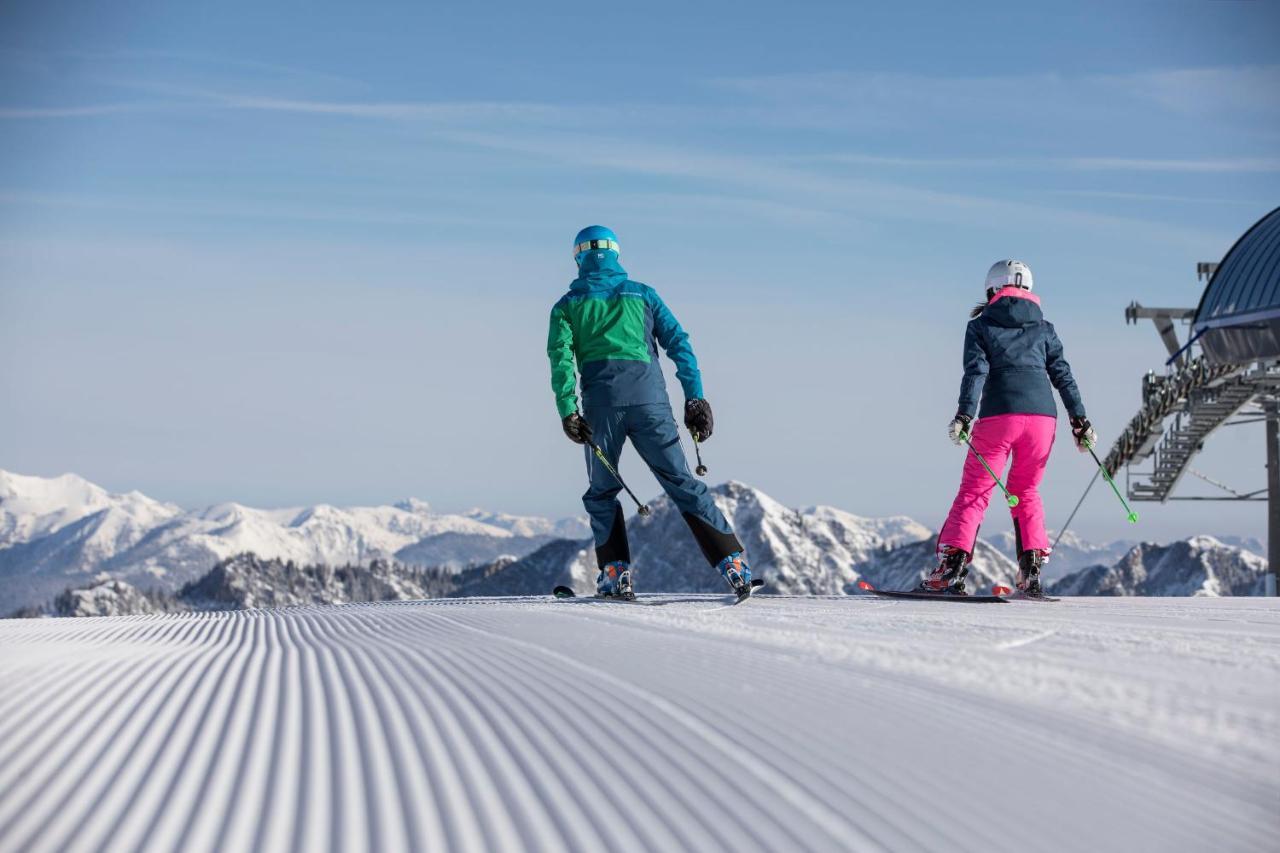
[
  {"x": 1013, "y": 307},
  {"x": 597, "y": 270},
  {"x": 1013, "y": 361},
  {"x": 605, "y": 333}
]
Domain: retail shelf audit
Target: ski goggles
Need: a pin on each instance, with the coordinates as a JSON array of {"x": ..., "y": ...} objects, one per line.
[{"x": 591, "y": 245}]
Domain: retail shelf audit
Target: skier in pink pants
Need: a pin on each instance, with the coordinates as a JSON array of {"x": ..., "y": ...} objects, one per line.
[{"x": 1012, "y": 362}]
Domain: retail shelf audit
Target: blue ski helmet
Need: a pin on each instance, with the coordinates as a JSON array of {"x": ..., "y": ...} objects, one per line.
[{"x": 594, "y": 237}]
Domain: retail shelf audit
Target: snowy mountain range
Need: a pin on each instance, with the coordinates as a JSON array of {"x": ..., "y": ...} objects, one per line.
[
  {"x": 1200, "y": 565},
  {"x": 1073, "y": 553},
  {"x": 63, "y": 531},
  {"x": 813, "y": 551}
]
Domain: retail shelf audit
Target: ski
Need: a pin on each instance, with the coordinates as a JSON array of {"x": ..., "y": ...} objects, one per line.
[
  {"x": 563, "y": 592},
  {"x": 1010, "y": 594},
  {"x": 567, "y": 592},
  {"x": 920, "y": 595},
  {"x": 740, "y": 597}
]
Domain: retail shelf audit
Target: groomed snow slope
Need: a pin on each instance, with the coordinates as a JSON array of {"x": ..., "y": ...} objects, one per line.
[{"x": 509, "y": 724}]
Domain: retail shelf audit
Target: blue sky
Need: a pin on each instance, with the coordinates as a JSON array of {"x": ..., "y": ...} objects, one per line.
[{"x": 299, "y": 254}]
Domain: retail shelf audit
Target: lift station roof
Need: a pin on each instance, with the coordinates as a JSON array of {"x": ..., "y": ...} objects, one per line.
[{"x": 1239, "y": 315}]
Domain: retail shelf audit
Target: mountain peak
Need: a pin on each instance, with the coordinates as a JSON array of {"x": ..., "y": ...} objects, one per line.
[
  {"x": 52, "y": 493},
  {"x": 1197, "y": 565}
]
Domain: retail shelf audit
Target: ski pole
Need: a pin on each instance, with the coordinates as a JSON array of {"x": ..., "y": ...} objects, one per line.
[
  {"x": 1012, "y": 500},
  {"x": 1063, "y": 530},
  {"x": 701, "y": 470},
  {"x": 1133, "y": 516},
  {"x": 643, "y": 509}
]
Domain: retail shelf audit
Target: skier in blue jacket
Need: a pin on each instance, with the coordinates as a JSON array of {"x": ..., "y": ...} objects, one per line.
[{"x": 606, "y": 332}]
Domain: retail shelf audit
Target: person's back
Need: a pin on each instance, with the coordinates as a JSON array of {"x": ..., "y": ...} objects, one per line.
[
  {"x": 616, "y": 326},
  {"x": 607, "y": 329},
  {"x": 1023, "y": 358},
  {"x": 1013, "y": 360}
]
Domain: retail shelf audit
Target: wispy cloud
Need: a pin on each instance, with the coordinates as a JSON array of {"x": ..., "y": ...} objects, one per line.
[
  {"x": 801, "y": 189},
  {"x": 788, "y": 187},
  {"x": 70, "y": 112},
  {"x": 1201, "y": 92},
  {"x": 1130, "y": 164},
  {"x": 1195, "y": 90},
  {"x": 1158, "y": 197},
  {"x": 1135, "y": 164},
  {"x": 246, "y": 207},
  {"x": 179, "y": 97},
  {"x": 107, "y": 66},
  {"x": 1000, "y": 109},
  {"x": 404, "y": 111}
]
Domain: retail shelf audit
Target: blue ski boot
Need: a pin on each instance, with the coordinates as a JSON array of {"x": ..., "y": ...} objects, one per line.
[
  {"x": 737, "y": 573},
  {"x": 614, "y": 581}
]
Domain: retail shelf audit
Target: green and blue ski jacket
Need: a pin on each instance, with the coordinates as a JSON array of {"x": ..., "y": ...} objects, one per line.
[{"x": 609, "y": 328}]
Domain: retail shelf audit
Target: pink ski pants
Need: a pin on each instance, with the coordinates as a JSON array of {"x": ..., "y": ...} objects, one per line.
[{"x": 1028, "y": 438}]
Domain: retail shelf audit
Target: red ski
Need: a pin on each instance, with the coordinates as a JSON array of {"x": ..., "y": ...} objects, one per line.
[
  {"x": 1010, "y": 594},
  {"x": 921, "y": 595}
]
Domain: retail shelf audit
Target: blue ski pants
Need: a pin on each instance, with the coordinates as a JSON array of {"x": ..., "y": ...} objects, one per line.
[{"x": 654, "y": 435}]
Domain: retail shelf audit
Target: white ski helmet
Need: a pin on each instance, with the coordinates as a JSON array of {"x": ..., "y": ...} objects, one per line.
[{"x": 1008, "y": 274}]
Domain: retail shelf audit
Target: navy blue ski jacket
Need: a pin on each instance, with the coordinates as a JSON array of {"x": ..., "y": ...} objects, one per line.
[{"x": 1013, "y": 360}]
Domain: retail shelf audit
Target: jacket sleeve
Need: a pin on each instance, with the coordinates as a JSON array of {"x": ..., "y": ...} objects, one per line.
[
  {"x": 975, "y": 371},
  {"x": 1060, "y": 375},
  {"x": 564, "y": 377},
  {"x": 673, "y": 339}
]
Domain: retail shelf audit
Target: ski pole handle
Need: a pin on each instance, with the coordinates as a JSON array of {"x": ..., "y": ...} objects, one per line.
[
  {"x": 1133, "y": 516},
  {"x": 643, "y": 509},
  {"x": 1012, "y": 500}
]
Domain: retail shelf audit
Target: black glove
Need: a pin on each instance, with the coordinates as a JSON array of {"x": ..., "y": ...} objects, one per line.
[
  {"x": 1083, "y": 433},
  {"x": 578, "y": 430},
  {"x": 697, "y": 417}
]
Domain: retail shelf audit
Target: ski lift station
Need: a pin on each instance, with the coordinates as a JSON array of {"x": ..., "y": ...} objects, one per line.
[{"x": 1225, "y": 374}]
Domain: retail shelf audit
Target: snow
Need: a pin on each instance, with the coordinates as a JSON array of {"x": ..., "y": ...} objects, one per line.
[
  {"x": 848, "y": 723},
  {"x": 1199, "y": 565},
  {"x": 61, "y": 531},
  {"x": 31, "y": 507}
]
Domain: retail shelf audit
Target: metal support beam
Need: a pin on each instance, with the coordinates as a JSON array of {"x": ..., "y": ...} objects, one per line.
[
  {"x": 1273, "y": 496},
  {"x": 1164, "y": 319}
]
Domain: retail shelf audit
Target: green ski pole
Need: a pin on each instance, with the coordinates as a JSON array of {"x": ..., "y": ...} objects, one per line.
[
  {"x": 1133, "y": 516},
  {"x": 1012, "y": 500},
  {"x": 643, "y": 509}
]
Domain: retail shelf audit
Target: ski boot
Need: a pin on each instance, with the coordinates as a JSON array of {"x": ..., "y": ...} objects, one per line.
[
  {"x": 948, "y": 577},
  {"x": 737, "y": 573},
  {"x": 1030, "y": 565},
  {"x": 614, "y": 581}
]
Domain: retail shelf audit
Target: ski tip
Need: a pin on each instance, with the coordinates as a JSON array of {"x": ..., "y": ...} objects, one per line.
[
  {"x": 563, "y": 592},
  {"x": 756, "y": 583},
  {"x": 863, "y": 585},
  {"x": 1000, "y": 590}
]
